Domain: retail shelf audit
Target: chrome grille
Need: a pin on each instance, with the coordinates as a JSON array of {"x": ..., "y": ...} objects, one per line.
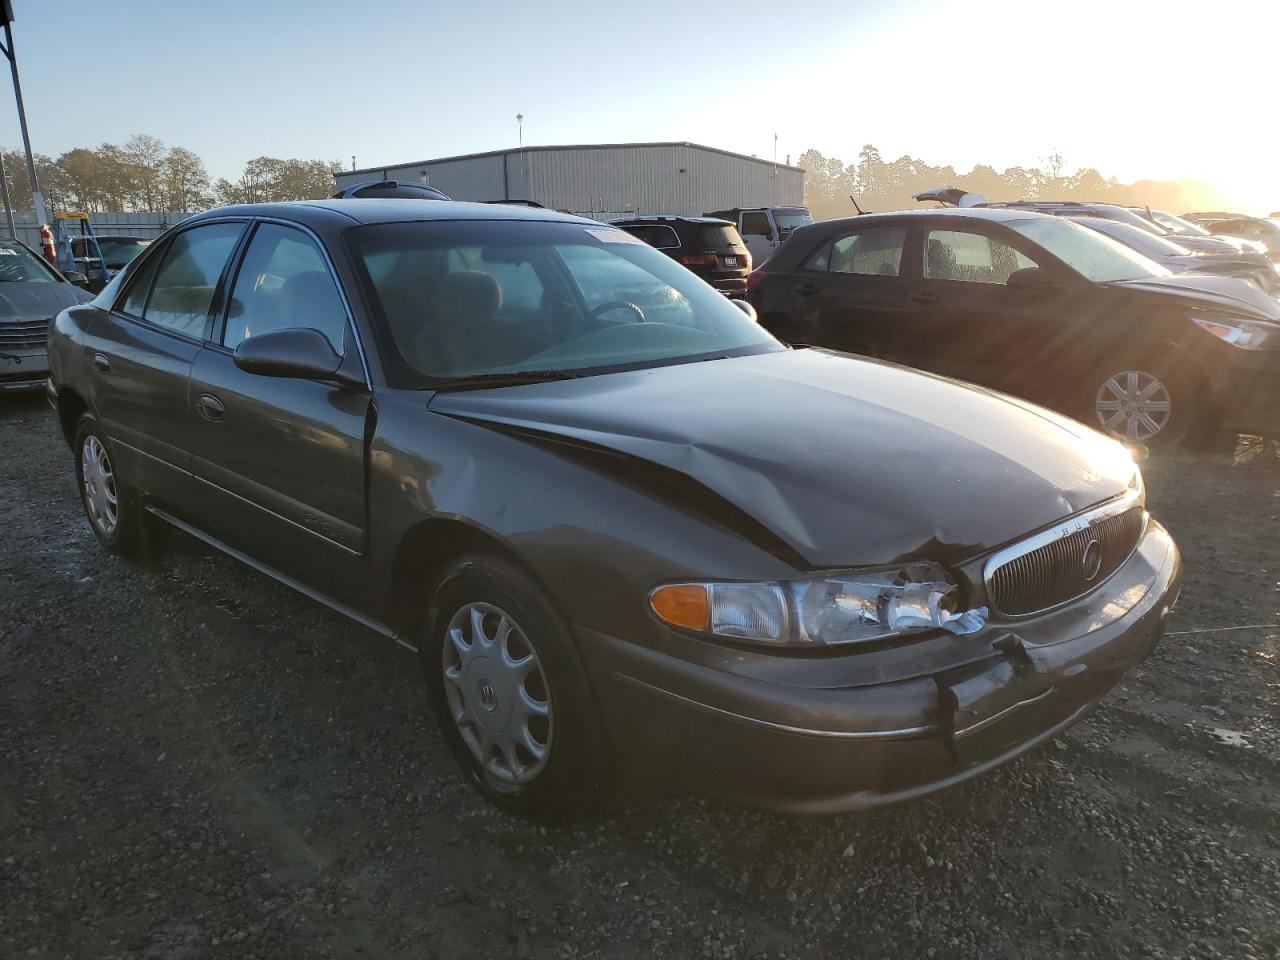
[
  {"x": 23, "y": 334},
  {"x": 1062, "y": 564}
]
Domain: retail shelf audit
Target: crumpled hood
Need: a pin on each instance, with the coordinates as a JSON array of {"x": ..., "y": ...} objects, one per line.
[
  {"x": 849, "y": 461},
  {"x": 1230, "y": 294},
  {"x": 25, "y": 300}
]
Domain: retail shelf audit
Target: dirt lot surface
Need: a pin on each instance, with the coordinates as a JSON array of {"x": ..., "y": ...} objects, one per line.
[{"x": 196, "y": 762}]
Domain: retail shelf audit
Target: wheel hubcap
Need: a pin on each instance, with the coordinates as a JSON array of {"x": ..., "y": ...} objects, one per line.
[
  {"x": 100, "y": 497},
  {"x": 497, "y": 693},
  {"x": 1134, "y": 405}
]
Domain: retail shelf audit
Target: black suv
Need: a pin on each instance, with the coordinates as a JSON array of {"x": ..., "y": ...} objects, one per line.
[
  {"x": 709, "y": 247},
  {"x": 389, "y": 190}
]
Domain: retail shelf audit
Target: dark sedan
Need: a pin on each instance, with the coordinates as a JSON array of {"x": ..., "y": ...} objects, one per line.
[
  {"x": 615, "y": 524},
  {"x": 1035, "y": 305},
  {"x": 31, "y": 292}
]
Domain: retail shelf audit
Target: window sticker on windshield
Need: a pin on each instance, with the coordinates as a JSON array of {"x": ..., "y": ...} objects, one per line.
[{"x": 614, "y": 236}]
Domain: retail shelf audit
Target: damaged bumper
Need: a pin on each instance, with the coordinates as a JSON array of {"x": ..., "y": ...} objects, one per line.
[{"x": 828, "y": 734}]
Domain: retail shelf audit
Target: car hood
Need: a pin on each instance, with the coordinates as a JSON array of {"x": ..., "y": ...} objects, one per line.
[
  {"x": 27, "y": 300},
  {"x": 845, "y": 460},
  {"x": 1207, "y": 291}
]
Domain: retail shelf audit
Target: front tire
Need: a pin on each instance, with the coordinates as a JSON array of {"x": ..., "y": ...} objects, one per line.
[
  {"x": 509, "y": 691},
  {"x": 1142, "y": 400},
  {"x": 110, "y": 505}
]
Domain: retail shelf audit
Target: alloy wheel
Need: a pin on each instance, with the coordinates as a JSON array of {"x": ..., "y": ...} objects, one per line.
[
  {"x": 100, "y": 496},
  {"x": 1133, "y": 404},
  {"x": 497, "y": 693}
]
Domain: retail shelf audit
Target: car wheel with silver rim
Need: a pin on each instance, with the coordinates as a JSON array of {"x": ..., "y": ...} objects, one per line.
[
  {"x": 1139, "y": 401},
  {"x": 108, "y": 501},
  {"x": 508, "y": 689}
]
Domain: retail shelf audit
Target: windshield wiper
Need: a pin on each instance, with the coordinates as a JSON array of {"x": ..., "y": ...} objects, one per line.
[{"x": 514, "y": 378}]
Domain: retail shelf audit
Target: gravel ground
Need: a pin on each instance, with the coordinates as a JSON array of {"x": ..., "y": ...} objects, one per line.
[{"x": 196, "y": 762}]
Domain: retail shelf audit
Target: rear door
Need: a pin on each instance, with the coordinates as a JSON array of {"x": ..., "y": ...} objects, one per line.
[
  {"x": 280, "y": 462},
  {"x": 852, "y": 293},
  {"x": 140, "y": 357},
  {"x": 970, "y": 324}
]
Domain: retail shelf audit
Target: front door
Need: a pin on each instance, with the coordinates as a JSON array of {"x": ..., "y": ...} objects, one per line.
[
  {"x": 758, "y": 234},
  {"x": 280, "y": 462},
  {"x": 971, "y": 324},
  {"x": 140, "y": 357}
]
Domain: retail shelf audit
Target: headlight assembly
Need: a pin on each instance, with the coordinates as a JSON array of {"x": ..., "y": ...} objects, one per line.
[
  {"x": 820, "y": 611},
  {"x": 1241, "y": 333}
]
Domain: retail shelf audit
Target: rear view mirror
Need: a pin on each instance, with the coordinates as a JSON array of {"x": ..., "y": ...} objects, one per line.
[
  {"x": 746, "y": 308},
  {"x": 1030, "y": 279},
  {"x": 298, "y": 352},
  {"x": 76, "y": 278}
]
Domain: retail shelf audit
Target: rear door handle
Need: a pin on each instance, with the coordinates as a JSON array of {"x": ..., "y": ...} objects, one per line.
[
  {"x": 102, "y": 363},
  {"x": 210, "y": 407},
  {"x": 806, "y": 289},
  {"x": 923, "y": 297}
]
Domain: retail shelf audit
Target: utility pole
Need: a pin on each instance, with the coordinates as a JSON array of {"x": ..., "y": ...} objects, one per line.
[
  {"x": 8, "y": 207},
  {"x": 524, "y": 171},
  {"x": 6, "y": 12}
]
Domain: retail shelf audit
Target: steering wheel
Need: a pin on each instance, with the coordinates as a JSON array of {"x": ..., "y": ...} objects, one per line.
[{"x": 616, "y": 305}]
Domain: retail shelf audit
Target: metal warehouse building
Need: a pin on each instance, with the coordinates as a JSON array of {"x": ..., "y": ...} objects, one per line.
[{"x": 606, "y": 180}]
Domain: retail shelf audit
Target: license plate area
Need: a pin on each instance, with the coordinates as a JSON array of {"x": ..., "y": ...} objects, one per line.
[
  {"x": 976, "y": 703},
  {"x": 730, "y": 261}
]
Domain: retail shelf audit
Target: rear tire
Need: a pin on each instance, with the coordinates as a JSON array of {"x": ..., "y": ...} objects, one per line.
[
  {"x": 1143, "y": 399},
  {"x": 509, "y": 691},
  {"x": 110, "y": 504}
]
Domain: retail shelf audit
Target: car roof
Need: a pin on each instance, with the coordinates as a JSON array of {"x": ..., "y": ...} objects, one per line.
[
  {"x": 363, "y": 210},
  {"x": 669, "y": 218},
  {"x": 994, "y": 214}
]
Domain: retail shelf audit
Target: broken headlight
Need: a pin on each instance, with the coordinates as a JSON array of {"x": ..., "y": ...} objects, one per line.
[{"x": 821, "y": 611}]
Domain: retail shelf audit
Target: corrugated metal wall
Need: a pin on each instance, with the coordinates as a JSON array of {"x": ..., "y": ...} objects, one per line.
[
  {"x": 608, "y": 181},
  {"x": 149, "y": 225}
]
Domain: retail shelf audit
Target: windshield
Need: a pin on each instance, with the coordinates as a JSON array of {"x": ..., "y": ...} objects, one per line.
[
  {"x": 1089, "y": 253},
  {"x": 788, "y": 218},
  {"x": 1176, "y": 225},
  {"x": 1147, "y": 244},
  {"x": 18, "y": 265},
  {"x": 469, "y": 298}
]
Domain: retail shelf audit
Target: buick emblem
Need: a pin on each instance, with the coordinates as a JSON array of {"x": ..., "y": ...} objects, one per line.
[
  {"x": 1091, "y": 562},
  {"x": 488, "y": 696}
]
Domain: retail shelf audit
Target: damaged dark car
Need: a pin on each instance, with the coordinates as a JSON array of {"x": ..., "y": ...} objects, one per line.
[{"x": 614, "y": 516}]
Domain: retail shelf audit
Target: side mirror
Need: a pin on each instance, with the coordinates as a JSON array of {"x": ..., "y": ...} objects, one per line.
[
  {"x": 297, "y": 352},
  {"x": 1030, "y": 280},
  {"x": 76, "y": 278},
  {"x": 746, "y": 308}
]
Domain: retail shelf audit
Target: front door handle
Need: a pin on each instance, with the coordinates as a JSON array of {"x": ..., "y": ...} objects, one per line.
[
  {"x": 924, "y": 297},
  {"x": 806, "y": 289},
  {"x": 102, "y": 363},
  {"x": 210, "y": 407}
]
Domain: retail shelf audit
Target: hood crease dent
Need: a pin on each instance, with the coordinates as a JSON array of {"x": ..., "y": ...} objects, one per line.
[{"x": 823, "y": 459}]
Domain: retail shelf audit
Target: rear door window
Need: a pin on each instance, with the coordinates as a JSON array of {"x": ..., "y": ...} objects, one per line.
[
  {"x": 756, "y": 225},
  {"x": 872, "y": 253},
  {"x": 970, "y": 257},
  {"x": 188, "y": 276}
]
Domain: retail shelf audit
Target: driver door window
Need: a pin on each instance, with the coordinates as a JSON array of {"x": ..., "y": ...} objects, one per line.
[
  {"x": 756, "y": 225},
  {"x": 284, "y": 282},
  {"x": 970, "y": 257}
]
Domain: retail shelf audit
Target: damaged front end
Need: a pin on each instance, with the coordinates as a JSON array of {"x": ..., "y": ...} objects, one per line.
[{"x": 824, "y": 610}]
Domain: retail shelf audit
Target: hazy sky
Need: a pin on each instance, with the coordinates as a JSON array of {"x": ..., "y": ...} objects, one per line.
[{"x": 1138, "y": 89}]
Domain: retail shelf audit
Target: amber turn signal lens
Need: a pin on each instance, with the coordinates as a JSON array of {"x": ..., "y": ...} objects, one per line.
[{"x": 682, "y": 605}]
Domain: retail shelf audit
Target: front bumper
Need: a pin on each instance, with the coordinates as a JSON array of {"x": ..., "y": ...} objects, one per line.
[
  {"x": 1246, "y": 392},
  {"x": 816, "y": 735},
  {"x": 28, "y": 371}
]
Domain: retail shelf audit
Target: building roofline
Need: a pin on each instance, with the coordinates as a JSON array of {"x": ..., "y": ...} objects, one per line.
[{"x": 384, "y": 168}]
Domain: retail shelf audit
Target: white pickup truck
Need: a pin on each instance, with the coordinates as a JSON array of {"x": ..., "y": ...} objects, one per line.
[{"x": 764, "y": 228}]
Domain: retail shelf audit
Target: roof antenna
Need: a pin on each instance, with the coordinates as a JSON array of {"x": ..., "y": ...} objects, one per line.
[{"x": 855, "y": 205}]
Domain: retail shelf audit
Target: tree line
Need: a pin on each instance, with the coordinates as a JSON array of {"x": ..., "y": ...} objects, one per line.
[
  {"x": 878, "y": 184},
  {"x": 144, "y": 175}
]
